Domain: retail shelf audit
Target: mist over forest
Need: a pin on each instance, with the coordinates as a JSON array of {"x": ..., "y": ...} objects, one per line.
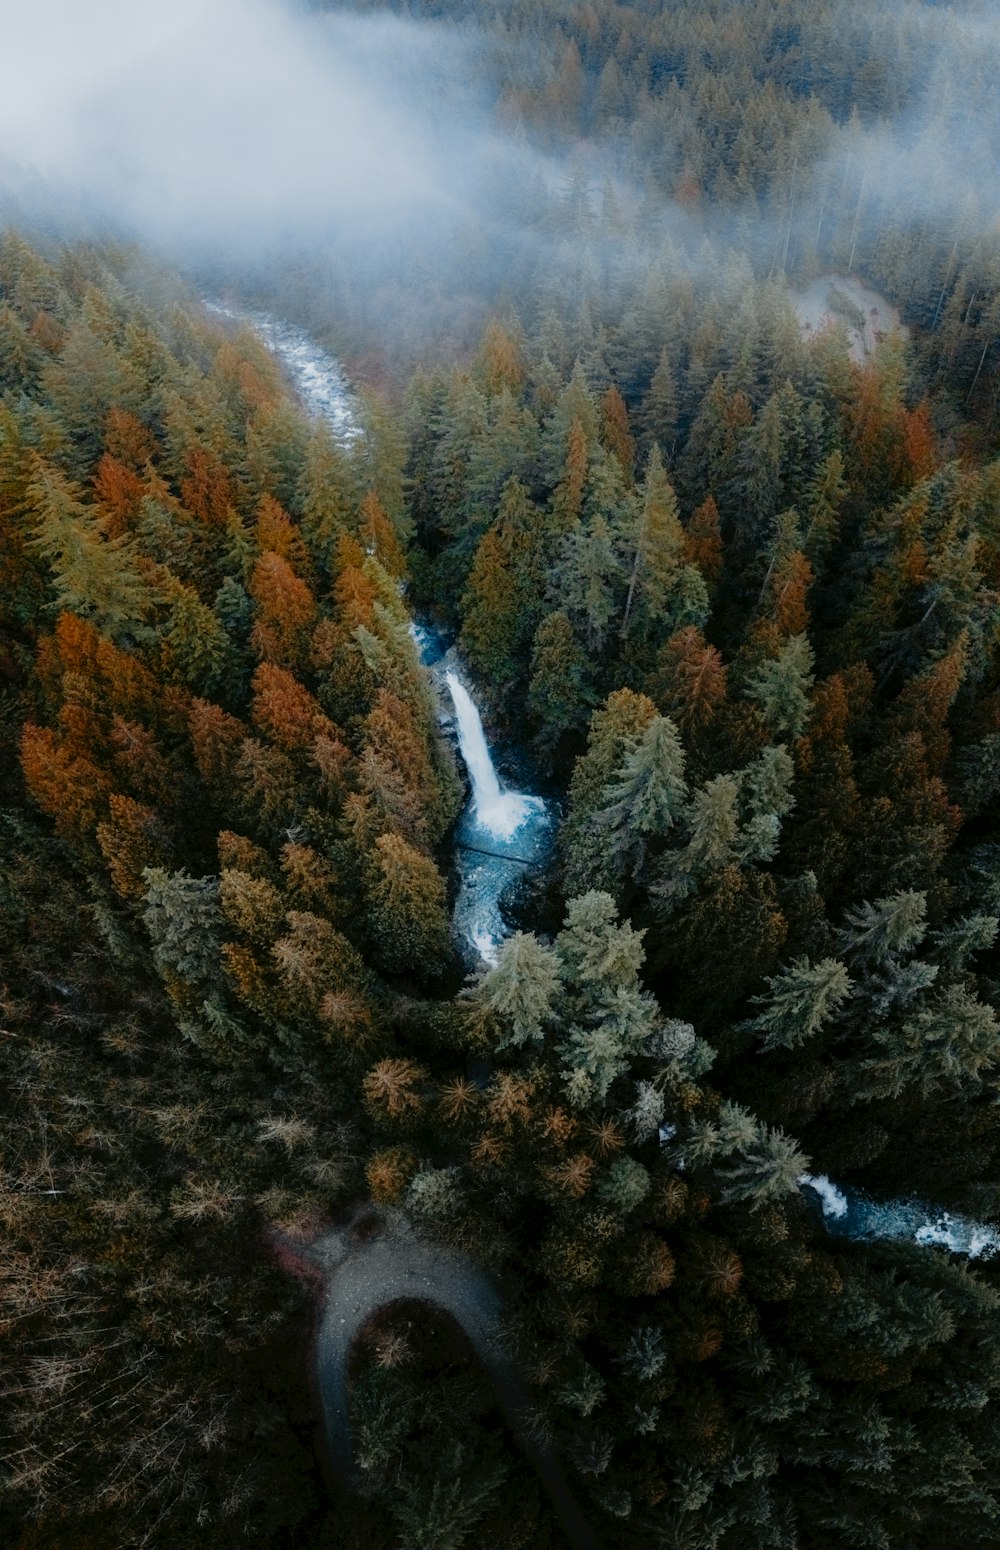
[{"x": 500, "y": 775}]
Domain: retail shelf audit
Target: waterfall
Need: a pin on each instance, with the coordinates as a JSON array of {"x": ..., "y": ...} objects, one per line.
[
  {"x": 501, "y": 813},
  {"x": 498, "y": 834}
]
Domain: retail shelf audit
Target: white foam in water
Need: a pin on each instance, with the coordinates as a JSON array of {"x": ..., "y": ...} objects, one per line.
[
  {"x": 864, "y": 1220},
  {"x": 486, "y": 947},
  {"x": 833, "y": 1200},
  {"x": 960, "y": 1236}
]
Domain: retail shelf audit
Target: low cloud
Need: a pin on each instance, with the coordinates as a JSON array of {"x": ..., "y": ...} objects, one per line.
[{"x": 220, "y": 122}]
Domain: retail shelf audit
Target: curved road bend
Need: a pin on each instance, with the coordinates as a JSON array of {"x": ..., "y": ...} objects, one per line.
[{"x": 379, "y": 1259}]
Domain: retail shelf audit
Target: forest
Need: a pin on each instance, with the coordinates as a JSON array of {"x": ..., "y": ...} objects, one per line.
[{"x": 727, "y": 588}]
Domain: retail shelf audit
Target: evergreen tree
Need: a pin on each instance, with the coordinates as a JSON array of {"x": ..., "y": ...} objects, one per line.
[
  {"x": 182, "y": 918},
  {"x": 521, "y": 991},
  {"x": 877, "y": 933},
  {"x": 800, "y": 1001},
  {"x": 616, "y": 730},
  {"x": 647, "y": 795},
  {"x": 767, "y": 1169},
  {"x": 406, "y": 907},
  {"x": 659, "y": 544},
  {"x": 780, "y": 688},
  {"x": 946, "y": 1045},
  {"x": 559, "y": 692},
  {"x": 95, "y": 576}
]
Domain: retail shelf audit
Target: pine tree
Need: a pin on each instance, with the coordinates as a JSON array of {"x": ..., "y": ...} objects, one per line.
[
  {"x": 501, "y": 604},
  {"x": 821, "y": 510},
  {"x": 713, "y": 820},
  {"x": 277, "y": 534},
  {"x": 767, "y": 1170},
  {"x": 314, "y": 960},
  {"x": 588, "y": 580},
  {"x": 184, "y": 923},
  {"x": 616, "y": 729},
  {"x": 325, "y": 499},
  {"x": 780, "y": 688},
  {"x": 95, "y": 576},
  {"x": 559, "y": 693},
  {"x": 406, "y": 907},
  {"x": 800, "y": 1001},
  {"x": 380, "y": 537},
  {"x": 690, "y": 680},
  {"x": 521, "y": 992},
  {"x": 609, "y": 1018},
  {"x": 615, "y": 433},
  {"x": 285, "y": 612},
  {"x": 703, "y": 542},
  {"x": 945, "y": 1046},
  {"x": 647, "y": 796},
  {"x": 195, "y": 646},
  {"x": 131, "y": 839},
  {"x": 658, "y": 415},
  {"x": 500, "y": 362},
  {"x": 65, "y": 783},
  {"x": 285, "y": 711},
  {"x": 765, "y": 787},
  {"x": 252, "y": 904},
  {"x": 874, "y": 934},
  {"x": 659, "y": 543},
  {"x": 396, "y": 771}
]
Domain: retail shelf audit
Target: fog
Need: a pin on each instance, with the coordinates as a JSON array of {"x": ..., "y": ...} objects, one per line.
[
  {"x": 358, "y": 156},
  {"x": 208, "y": 123}
]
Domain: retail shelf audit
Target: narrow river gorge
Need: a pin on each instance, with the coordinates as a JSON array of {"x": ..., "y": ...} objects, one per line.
[{"x": 502, "y": 832}]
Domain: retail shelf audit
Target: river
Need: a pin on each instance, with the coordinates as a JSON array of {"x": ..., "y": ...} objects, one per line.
[{"x": 502, "y": 832}]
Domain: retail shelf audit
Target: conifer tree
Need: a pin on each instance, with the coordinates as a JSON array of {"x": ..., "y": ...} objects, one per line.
[
  {"x": 690, "y": 680},
  {"x": 615, "y": 433},
  {"x": 658, "y": 415},
  {"x": 946, "y": 1045},
  {"x": 703, "y": 542},
  {"x": 314, "y": 960},
  {"x": 325, "y": 500},
  {"x": 406, "y": 906},
  {"x": 196, "y": 647},
  {"x": 521, "y": 992},
  {"x": 559, "y": 692},
  {"x": 183, "y": 920},
  {"x": 647, "y": 796},
  {"x": 95, "y": 576},
  {"x": 874, "y": 934},
  {"x": 616, "y": 728},
  {"x": 588, "y": 580},
  {"x": 768, "y": 1169},
  {"x": 285, "y": 612},
  {"x": 659, "y": 543},
  {"x": 800, "y": 1001},
  {"x": 780, "y": 688}
]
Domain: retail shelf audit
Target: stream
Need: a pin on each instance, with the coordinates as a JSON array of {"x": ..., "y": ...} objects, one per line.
[{"x": 502, "y": 833}]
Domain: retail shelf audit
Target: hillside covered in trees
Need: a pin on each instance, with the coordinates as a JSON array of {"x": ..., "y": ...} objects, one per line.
[{"x": 733, "y": 589}]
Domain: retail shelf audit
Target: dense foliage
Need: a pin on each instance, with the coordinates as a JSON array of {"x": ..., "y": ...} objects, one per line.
[{"x": 739, "y": 591}]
